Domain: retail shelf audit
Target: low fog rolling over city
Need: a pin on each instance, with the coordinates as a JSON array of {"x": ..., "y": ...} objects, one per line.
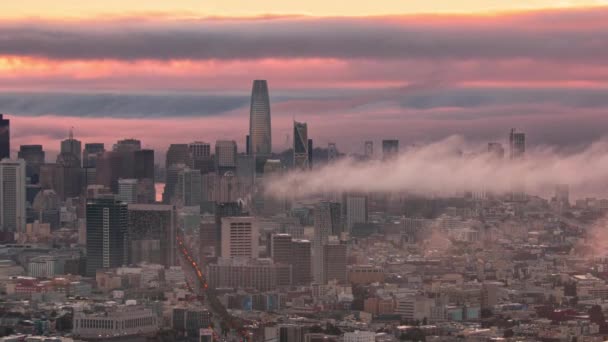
[{"x": 283, "y": 171}]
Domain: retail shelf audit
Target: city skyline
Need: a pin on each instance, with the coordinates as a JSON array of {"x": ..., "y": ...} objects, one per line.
[{"x": 468, "y": 83}]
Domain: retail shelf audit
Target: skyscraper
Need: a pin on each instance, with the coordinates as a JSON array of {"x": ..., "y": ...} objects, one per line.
[
  {"x": 322, "y": 231},
  {"x": 152, "y": 229},
  {"x": 127, "y": 190},
  {"x": 334, "y": 261},
  {"x": 72, "y": 146},
  {"x": 390, "y": 149},
  {"x": 225, "y": 156},
  {"x": 144, "y": 164},
  {"x": 5, "y": 138},
  {"x": 496, "y": 150},
  {"x": 260, "y": 135},
  {"x": 178, "y": 154},
  {"x": 199, "y": 149},
  {"x": 240, "y": 237},
  {"x": 226, "y": 209},
  {"x": 301, "y": 262},
  {"x": 90, "y": 154},
  {"x": 369, "y": 149},
  {"x": 310, "y": 150},
  {"x": 12, "y": 197},
  {"x": 517, "y": 144},
  {"x": 33, "y": 155},
  {"x": 332, "y": 152},
  {"x": 300, "y": 145},
  {"x": 356, "y": 210},
  {"x": 188, "y": 191},
  {"x": 107, "y": 243}
]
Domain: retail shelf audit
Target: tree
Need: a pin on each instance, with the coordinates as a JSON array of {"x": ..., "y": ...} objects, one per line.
[
  {"x": 508, "y": 333},
  {"x": 415, "y": 334}
]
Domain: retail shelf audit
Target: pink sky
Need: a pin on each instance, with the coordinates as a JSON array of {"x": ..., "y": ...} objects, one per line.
[{"x": 416, "y": 78}]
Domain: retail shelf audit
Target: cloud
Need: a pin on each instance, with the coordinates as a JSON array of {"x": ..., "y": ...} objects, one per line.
[
  {"x": 441, "y": 169},
  {"x": 570, "y": 36}
]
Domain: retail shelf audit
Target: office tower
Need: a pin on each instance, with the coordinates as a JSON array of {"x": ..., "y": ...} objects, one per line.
[
  {"x": 201, "y": 157},
  {"x": 390, "y": 149},
  {"x": 517, "y": 144},
  {"x": 178, "y": 154},
  {"x": 334, "y": 261},
  {"x": 300, "y": 146},
  {"x": 12, "y": 198},
  {"x": 291, "y": 333},
  {"x": 171, "y": 178},
  {"x": 188, "y": 192},
  {"x": 332, "y": 152},
  {"x": 127, "y": 145},
  {"x": 240, "y": 237},
  {"x": 225, "y": 156},
  {"x": 33, "y": 155},
  {"x": 127, "y": 190},
  {"x": 356, "y": 210},
  {"x": 152, "y": 229},
  {"x": 369, "y": 149},
  {"x": 107, "y": 234},
  {"x": 68, "y": 175},
  {"x": 90, "y": 153},
  {"x": 144, "y": 164},
  {"x": 5, "y": 137},
  {"x": 301, "y": 262},
  {"x": 72, "y": 146},
  {"x": 280, "y": 248},
  {"x": 207, "y": 236},
  {"x": 281, "y": 253},
  {"x": 310, "y": 150},
  {"x": 322, "y": 231},
  {"x": 260, "y": 137},
  {"x": 266, "y": 204},
  {"x": 245, "y": 170},
  {"x": 224, "y": 209},
  {"x": 107, "y": 170},
  {"x": 199, "y": 149},
  {"x": 496, "y": 150},
  {"x": 247, "y": 144}
]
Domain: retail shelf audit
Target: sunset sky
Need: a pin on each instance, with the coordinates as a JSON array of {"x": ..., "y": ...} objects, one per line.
[{"x": 417, "y": 70}]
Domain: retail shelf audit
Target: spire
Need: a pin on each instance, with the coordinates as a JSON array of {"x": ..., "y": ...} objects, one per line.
[{"x": 71, "y": 133}]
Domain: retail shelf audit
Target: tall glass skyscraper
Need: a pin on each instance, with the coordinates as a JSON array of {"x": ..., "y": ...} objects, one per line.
[
  {"x": 300, "y": 145},
  {"x": 260, "y": 137},
  {"x": 5, "y": 138}
]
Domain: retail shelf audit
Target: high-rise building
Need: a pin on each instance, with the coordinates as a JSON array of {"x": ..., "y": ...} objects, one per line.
[
  {"x": 127, "y": 145},
  {"x": 189, "y": 185},
  {"x": 300, "y": 146},
  {"x": 68, "y": 175},
  {"x": 12, "y": 198},
  {"x": 107, "y": 234},
  {"x": 369, "y": 149},
  {"x": 310, "y": 153},
  {"x": 281, "y": 252},
  {"x": 356, "y": 210},
  {"x": 322, "y": 231},
  {"x": 496, "y": 150},
  {"x": 562, "y": 194},
  {"x": 152, "y": 229},
  {"x": 222, "y": 210},
  {"x": 225, "y": 156},
  {"x": 240, "y": 237},
  {"x": 260, "y": 135},
  {"x": 107, "y": 170},
  {"x": 178, "y": 154},
  {"x": 33, "y": 155},
  {"x": 390, "y": 149},
  {"x": 199, "y": 149},
  {"x": 127, "y": 190},
  {"x": 335, "y": 262},
  {"x": 72, "y": 146},
  {"x": 144, "y": 164},
  {"x": 280, "y": 248},
  {"x": 332, "y": 152},
  {"x": 90, "y": 154},
  {"x": 301, "y": 261},
  {"x": 517, "y": 144},
  {"x": 171, "y": 178},
  {"x": 5, "y": 137}
]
